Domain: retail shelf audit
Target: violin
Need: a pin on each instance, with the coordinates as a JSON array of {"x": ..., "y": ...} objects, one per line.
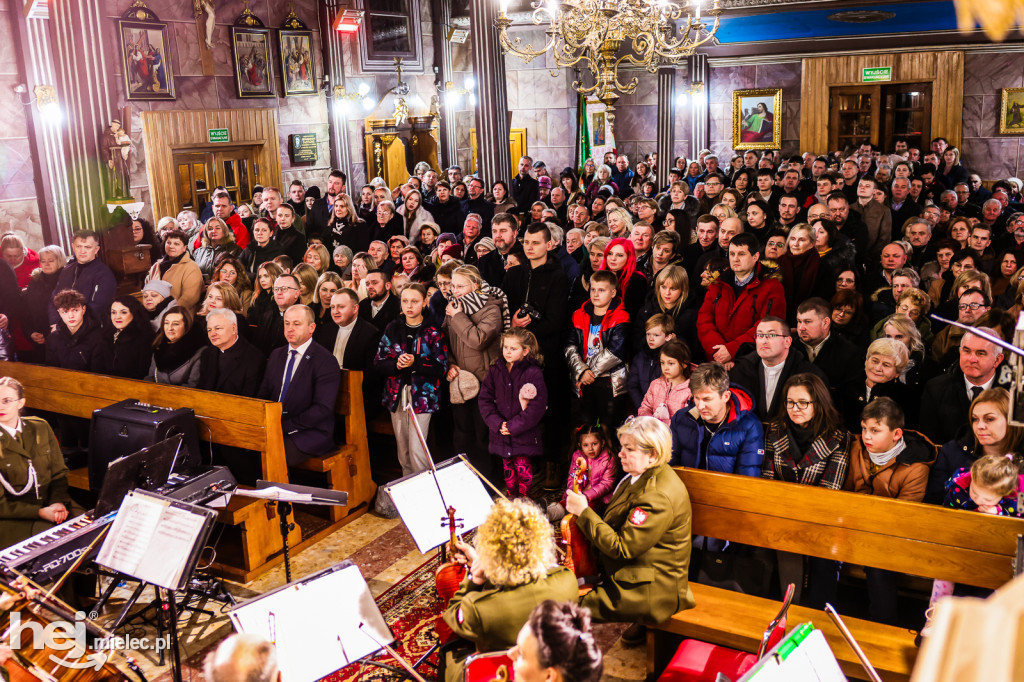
[
  {"x": 579, "y": 555},
  {"x": 447, "y": 579}
]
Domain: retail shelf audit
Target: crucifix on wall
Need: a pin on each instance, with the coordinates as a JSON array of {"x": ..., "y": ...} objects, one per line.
[{"x": 204, "y": 31}]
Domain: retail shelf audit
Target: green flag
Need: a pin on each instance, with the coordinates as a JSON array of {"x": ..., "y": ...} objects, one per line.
[{"x": 583, "y": 149}]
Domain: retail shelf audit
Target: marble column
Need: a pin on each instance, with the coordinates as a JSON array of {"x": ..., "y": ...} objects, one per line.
[
  {"x": 334, "y": 67},
  {"x": 699, "y": 103},
  {"x": 666, "y": 122},
  {"x": 494, "y": 160},
  {"x": 446, "y": 149},
  {"x": 86, "y": 93}
]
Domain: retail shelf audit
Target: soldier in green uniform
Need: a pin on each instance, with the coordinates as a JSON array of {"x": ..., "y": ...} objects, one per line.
[
  {"x": 33, "y": 476},
  {"x": 512, "y": 570},
  {"x": 643, "y": 541}
]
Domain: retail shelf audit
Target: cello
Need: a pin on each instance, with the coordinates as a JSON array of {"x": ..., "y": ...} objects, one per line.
[
  {"x": 579, "y": 555},
  {"x": 447, "y": 579}
]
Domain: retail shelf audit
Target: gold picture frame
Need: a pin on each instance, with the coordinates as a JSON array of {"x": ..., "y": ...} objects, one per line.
[
  {"x": 757, "y": 119},
  {"x": 1011, "y": 112}
]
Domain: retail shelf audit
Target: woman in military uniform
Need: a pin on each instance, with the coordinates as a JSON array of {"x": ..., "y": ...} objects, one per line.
[
  {"x": 643, "y": 541},
  {"x": 33, "y": 477},
  {"x": 512, "y": 570}
]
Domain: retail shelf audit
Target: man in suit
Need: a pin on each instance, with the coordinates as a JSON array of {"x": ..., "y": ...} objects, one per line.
[
  {"x": 305, "y": 378},
  {"x": 840, "y": 360},
  {"x": 270, "y": 325},
  {"x": 379, "y": 307},
  {"x": 231, "y": 364},
  {"x": 764, "y": 373},
  {"x": 351, "y": 340},
  {"x": 318, "y": 216}
]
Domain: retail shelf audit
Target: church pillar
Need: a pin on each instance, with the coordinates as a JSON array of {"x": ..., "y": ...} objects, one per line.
[
  {"x": 699, "y": 104},
  {"x": 666, "y": 122},
  {"x": 441, "y": 10},
  {"x": 492, "y": 116},
  {"x": 341, "y": 156}
]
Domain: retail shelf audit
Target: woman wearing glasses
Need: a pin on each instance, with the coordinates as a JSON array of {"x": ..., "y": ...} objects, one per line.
[
  {"x": 34, "y": 495},
  {"x": 807, "y": 443}
]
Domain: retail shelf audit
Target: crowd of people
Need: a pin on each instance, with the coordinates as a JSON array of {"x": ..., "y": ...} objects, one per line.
[{"x": 773, "y": 315}]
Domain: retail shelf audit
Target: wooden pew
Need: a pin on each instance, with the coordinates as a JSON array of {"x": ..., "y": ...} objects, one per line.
[
  {"x": 251, "y": 544},
  {"x": 928, "y": 541}
]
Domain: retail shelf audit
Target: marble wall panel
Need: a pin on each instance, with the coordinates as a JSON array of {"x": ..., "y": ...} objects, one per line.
[
  {"x": 785, "y": 76},
  {"x": 464, "y": 121},
  {"x": 8, "y": 63},
  {"x": 681, "y": 148},
  {"x": 168, "y": 10},
  {"x": 227, "y": 97},
  {"x": 189, "y": 61},
  {"x": 538, "y": 89},
  {"x": 985, "y": 73},
  {"x": 536, "y": 123},
  {"x": 556, "y": 158},
  {"x": 720, "y": 120},
  {"x": 21, "y": 216},
  {"x": 512, "y": 89},
  {"x": 13, "y": 113},
  {"x": 16, "y": 174},
  {"x": 725, "y": 79},
  {"x": 358, "y": 177},
  {"x": 635, "y": 122},
  {"x": 323, "y": 146},
  {"x": 992, "y": 158},
  {"x": 561, "y": 127},
  {"x": 791, "y": 119},
  {"x": 302, "y": 109}
]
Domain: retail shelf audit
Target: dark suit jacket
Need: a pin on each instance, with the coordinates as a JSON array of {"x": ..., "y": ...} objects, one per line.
[
  {"x": 238, "y": 370},
  {"x": 945, "y": 404},
  {"x": 909, "y": 209},
  {"x": 308, "y": 407},
  {"x": 317, "y": 217},
  {"x": 843, "y": 364},
  {"x": 748, "y": 372},
  {"x": 391, "y": 310},
  {"x": 361, "y": 347}
]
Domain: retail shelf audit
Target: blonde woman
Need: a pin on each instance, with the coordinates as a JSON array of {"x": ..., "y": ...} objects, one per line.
[
  {"x": 307, "y": 277},
  {"x": 620, "y": 222},
  {"x": 318, "y": 257},
  {"x": 218, "y": 242},
  {"x": 326, "y": 286}
]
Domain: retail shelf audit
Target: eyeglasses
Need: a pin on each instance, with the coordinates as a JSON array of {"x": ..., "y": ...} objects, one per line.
[
  {"x": 278, "y": 290},
  {"x": 798, "y": 404},
  {"x": 771, "y": 336},
  {"x": 971, "y": 306},
  {"x": 8, "y": 401}
]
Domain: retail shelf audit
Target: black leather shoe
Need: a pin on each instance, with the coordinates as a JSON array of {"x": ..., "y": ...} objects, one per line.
[{"x": 634, "y": 635}]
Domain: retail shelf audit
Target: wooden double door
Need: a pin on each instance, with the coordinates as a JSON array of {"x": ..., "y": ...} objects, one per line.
[
  {"x": 880, "y": 114},
  {"x": 200, "y": 170}
]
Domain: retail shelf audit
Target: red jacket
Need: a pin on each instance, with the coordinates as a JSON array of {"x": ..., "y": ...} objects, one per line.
[
  {"x": 24, "y": 271},
  {"x": 727, "y": 319},
  {"x": 234, "y": 221}
]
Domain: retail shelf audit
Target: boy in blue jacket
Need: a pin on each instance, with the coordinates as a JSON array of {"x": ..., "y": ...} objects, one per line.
[{"x": 718, "y": 430}]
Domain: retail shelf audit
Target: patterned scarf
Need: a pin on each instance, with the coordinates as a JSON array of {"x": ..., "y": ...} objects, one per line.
[{"x": 495, "y": 292}]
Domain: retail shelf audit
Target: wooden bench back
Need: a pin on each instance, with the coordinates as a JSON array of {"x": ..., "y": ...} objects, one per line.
[
  {"x": 225, "y": 419},
  {"x": 918, "y": 539}
]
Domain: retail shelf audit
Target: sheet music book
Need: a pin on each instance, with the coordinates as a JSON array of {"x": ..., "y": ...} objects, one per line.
[
  {"x": 419, "y": 503},
  {"x": 804, "y": 654},
  {"x": 156, "y": 539},
  {"x": 314, "y": 622}
]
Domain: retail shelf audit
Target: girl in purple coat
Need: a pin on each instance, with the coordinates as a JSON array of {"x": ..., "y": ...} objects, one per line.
[
  {"x": 513, "y": 398},
  {"x": 594, "y": 446}
]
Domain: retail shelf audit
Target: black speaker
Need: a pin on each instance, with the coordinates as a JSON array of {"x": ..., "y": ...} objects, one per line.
[{"x": 129, "y": 426}]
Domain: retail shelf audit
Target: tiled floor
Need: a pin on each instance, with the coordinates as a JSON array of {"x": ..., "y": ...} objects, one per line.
[{"x": 385, "y": 554}]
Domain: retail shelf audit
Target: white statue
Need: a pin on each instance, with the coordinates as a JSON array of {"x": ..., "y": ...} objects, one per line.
[{"x": 200, "y": 6}]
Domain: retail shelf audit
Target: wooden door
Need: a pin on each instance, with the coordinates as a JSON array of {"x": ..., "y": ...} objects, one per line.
[
  {"x": 193, "y": 170},
  {"x": 855, "y": 116},
  {"x": 908, "y": 115},
  {"x": 237, "y": 170},
  {"x": 200, "y": 170}
]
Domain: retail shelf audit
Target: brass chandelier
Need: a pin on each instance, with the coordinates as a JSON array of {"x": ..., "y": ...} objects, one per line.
[{"x": 593, "y": 32}]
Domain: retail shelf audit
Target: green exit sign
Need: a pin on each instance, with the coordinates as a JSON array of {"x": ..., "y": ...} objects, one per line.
[
  {"x": 876, "y": 74},
  {"x": 218, "y": 135}
]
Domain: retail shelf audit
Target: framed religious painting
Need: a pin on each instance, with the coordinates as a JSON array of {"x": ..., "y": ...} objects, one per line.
[
  {"x": 757, "y": 119},
  {"x": 250, "y": 53},
  {"x": 145, "y": 60},
  {"x": 1011, "y": 112},
  {"x": 295, "y": 45}
]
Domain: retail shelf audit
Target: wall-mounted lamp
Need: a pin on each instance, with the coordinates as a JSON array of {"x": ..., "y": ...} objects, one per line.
[
  {"x": 345, "y": 99},
  {"x": 468, "y": 88},
  {"x": 45, "y": 99},
  {"x": 348, "y": 21},
  {"x": 696, "y": 88},
  {"x": 457, "y": 35}
]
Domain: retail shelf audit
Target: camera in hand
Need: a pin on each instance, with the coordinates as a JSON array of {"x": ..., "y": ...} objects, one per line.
[{"x": 527, "y": 310}]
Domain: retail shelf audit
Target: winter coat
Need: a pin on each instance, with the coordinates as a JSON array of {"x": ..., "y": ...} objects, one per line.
[
  {"x": 546, "y": 289},
  {"x": 499, "y": 402},
  {"x": 412, "y": 229},
  {"x": 958, "y": 495},
  {"x": 132, "y": 353},
  {"x": 208, "y": 255},
  {"x": 35, "y": 302},
  {"x": 27, "y": 267},
  {"x": 645, "y": 368},
  {"x": 428, "y": 344},
  {"x": 905, "y": 477},
  {"x": 663, "y": 400},
  {"x": 959, "y": 453},
  {"x": 601, "y": 479},
  {"x": 475, "y": 340},
  {"x": 732, "y": 320},
  {"x": 86, "y": 350},
  {"x": 449, "y": 216},
  {"x": 185, "y": 278},
  {"x": 736, "y": 448},
  {"x": 255, "y": 255},
  {"x": 825, "y": 464},
  {"x": 186, "y": 374},
  {"x": 611, "y": 360},
  {"x": 94, "y": 280}
]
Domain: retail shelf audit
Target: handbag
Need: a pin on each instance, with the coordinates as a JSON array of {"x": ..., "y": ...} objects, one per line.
[{"x": 464, "y": 387}]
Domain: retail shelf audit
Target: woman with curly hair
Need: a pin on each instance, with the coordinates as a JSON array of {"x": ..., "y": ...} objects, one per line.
[{"x": 512, "y": 568}]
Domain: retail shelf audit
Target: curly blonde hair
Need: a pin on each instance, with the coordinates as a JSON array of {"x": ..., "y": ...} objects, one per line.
[{"x": 516, "y": 543}]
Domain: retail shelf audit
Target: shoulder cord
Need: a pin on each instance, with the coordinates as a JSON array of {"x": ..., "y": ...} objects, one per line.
[{"x": 33, "y": 482}]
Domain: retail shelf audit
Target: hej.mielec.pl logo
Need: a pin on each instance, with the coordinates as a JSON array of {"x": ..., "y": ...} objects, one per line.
[{"x": 71, "y": 640}]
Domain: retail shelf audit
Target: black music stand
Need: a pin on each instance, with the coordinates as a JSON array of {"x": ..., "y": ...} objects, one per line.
[{"x": 285, "y": 495}]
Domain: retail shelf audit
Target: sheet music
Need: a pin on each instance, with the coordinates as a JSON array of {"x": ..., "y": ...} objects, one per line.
[
  {"x": 310, "y": 648},
  {"x": 275, "y": 493},
  {"x": 128, "y": 540},
  {"x": 419, "y": 503},
  {"x": 175, "y": 537}
]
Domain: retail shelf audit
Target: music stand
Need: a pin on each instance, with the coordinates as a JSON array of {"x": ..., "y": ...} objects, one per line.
[
  {"x": 287, "y": 494},
  {"x": 310, "y": 648},
  {"x": 147, "y": 469}
]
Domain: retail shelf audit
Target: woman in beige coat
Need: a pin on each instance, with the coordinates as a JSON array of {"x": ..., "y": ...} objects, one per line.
[{"x": 179, "y": 270}]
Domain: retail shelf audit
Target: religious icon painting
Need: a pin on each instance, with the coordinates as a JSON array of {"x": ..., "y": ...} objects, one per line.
[
  {"x": 757, "y": 119},
  {"x": 250, "y": 51},
  {"x": 1011, "y": 112},
  {"x": 295, "y": 42},
  {"x": 145, "y": 61}
]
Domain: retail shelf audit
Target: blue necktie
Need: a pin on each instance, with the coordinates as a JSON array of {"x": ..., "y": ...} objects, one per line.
[{"x": 288, "y": 373}]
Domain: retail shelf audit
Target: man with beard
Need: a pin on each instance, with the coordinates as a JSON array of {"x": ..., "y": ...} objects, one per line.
[
  {"x": 320, "y": 214},
  {"x": 849, "y": 223},
  {"x": 504, "y": 232},
  {"x": 379, "y": 308},
  {"x": 477, "y": 203}
]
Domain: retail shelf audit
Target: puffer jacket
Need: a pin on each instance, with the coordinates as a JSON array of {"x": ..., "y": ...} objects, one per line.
[
  {"x": 474, "y": 340},
  {"x": 958, "y": 495},
  {"x": 736, "y": 448},
  {"x": 499, "y": 403},
  {"x": 905, "y": 477},
  {"x": 209, "y": 254},
  {"x": 611, "y": 361},
  {"x": 430, "y": 347}
]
